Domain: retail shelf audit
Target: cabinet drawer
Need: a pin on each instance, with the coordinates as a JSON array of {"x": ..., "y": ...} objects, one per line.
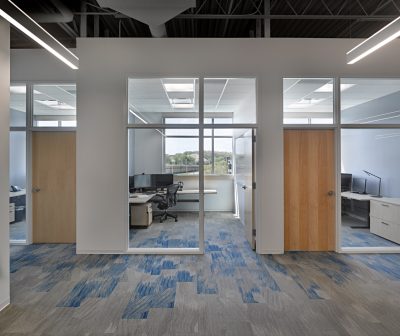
[
  {"x": 385, "y": 229},
  {"x": 385, "y": 211}
]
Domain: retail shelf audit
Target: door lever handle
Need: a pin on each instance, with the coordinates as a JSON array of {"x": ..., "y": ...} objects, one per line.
[
  {"x": 244, "y": 187},
  {"x": 35, "y": 190}
]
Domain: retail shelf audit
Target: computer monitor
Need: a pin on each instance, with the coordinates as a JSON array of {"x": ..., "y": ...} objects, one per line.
[
  {"x": 131, "y": 183},
  {"x": 143, "y": 181},
  {"x": 347, "y": 180},
  {"x": 163, "y": 180}
]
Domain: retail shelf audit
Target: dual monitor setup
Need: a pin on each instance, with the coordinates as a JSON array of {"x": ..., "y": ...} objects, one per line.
[
  {"x": 358, "y": 185},
  {"x": 148, "y": 182}
]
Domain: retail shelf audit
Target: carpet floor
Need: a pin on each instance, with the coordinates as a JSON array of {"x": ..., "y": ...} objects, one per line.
[{"x": 230, "y": 290}]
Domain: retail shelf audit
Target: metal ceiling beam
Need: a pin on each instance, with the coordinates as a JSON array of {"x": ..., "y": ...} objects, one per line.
[
  {"x": 286, "y": 17},
  {"x": 260, "y": 16}
]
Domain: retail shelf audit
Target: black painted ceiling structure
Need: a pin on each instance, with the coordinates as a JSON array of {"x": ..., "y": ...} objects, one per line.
[{"x": 69, "y": 19}]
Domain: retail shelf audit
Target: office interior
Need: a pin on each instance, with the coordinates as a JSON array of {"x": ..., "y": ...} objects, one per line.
[
  {"x": 53, "y": 107},
  {"x": 90, "y": 284},
  {"x": 369, "y": 179},
  {"x": 164, "y": 174},
  {"x": 370, "y": 182}
]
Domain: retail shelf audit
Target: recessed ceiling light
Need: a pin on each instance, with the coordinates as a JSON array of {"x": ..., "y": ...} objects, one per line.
[
  {"x": 182, "y": 106},
  {"x": 55, "y": 104},
  {"x": 179, "y": 87},
  {"x": 329, "y": 87},
  {"x": 18, "y": 89},
  {"x": 305, "y": 103}
]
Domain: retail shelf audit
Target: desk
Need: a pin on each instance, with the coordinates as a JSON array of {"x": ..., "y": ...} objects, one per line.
[
  {"x": 360, "y": 204},
  {"x": 357, "y": 206},
  {"x": 193, "y": 192},
  {"x": 140, "y": 198},
  {"x": 17, "y": 205}
]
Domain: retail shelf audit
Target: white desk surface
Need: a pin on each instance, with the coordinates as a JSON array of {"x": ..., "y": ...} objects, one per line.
[
  {"x": 363, "y": 197},
  {"x": 139, "y": 198},
  {"x": 358, "y": 197},
  {"x": 17, "y": 193},
  {"x": 195, "y": 191}
]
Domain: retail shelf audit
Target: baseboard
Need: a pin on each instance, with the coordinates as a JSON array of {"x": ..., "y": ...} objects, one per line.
[
  {"x": 18, "y": 242},
  {"x": 99, "y": 252},
  {"x": 4, "y": 304},
  {"x": 271, "y": 252}
]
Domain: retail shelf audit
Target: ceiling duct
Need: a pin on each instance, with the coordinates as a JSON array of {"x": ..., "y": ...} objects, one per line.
[{"x": 154, "y": 13}]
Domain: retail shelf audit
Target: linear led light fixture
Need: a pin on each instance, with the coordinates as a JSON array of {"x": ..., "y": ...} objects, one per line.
[
  {"x": 376, "y": 41},
  {"x": 23, "y": 22},
  {"x": 143, "y": 120}
]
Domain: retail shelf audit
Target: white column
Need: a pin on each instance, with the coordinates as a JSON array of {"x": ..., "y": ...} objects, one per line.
[{"x": 4, "y": 170}]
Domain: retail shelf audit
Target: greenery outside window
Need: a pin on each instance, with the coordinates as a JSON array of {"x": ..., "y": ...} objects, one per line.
[{"x": 181, "y": 149}]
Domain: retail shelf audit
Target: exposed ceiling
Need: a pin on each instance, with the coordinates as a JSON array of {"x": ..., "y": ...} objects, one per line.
[{"x": 67, "y": 20}]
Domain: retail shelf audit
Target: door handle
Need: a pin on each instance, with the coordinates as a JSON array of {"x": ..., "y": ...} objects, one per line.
[
  {"x": 35, "y": 190},
  {"x": 331, "y": 193},
  {"x": 244, "y": 187}
]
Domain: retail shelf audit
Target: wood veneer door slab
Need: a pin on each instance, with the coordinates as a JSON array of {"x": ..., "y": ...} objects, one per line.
[
  {"x": 309, "y": 178},
  {"x": 54, "y": 173}
]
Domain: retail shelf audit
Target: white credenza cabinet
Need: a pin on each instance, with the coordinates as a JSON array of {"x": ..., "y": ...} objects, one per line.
[
  {"x": 11, "y": 212},
  {"x": 385, "y": 219}
]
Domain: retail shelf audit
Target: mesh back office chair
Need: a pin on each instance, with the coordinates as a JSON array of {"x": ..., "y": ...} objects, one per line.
[{"x": 166, "y": 201}]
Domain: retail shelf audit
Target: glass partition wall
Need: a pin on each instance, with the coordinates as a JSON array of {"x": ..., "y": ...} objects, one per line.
[
  {"x": 365, "y": 115},
  {"x": 33, "y": 107},
  {"x": 370, "y": 161},
  {"x": 17, "y": 164},
  {"x": 181, "y": 157}
]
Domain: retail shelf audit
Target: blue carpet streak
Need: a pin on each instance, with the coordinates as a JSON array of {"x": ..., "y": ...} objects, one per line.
[{"x": 228, "y": 258}]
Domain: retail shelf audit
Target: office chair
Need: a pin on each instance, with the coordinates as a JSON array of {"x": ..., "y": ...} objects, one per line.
[{"x": 166, "y": 201}]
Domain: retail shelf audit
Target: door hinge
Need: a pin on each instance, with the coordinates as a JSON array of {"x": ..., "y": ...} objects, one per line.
[
  {"x": 254, "y": 185},
  {"x": 254, "y": 232},
  {"x": 254, "y": 138}
]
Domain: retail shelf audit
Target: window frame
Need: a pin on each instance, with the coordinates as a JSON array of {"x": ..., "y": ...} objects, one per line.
[{"x": 212, "y": 137}]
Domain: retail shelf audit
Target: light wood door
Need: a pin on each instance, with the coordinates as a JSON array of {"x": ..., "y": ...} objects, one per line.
[
  {"x": 244, "y": 154},
  {"x": 53, "y": 187},
  {"x": 309, "y": 190}
]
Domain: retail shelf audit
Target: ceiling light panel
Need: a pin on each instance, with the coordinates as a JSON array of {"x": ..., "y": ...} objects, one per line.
[
  {"x": 328, "y": 88},
  {"x": 179, "y": 87}
]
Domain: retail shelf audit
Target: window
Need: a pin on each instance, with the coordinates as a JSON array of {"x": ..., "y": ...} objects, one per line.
[
  {"x": 54, "y": 105},
  {"x": 181, "y": 155},
  {"x": 149, "y": 99},
  {"x": 308, "y": 100},
  {"x": 233, "y": 97},
  {"x": 17, "y": 105},
  {"x": 370, "y": 101}
]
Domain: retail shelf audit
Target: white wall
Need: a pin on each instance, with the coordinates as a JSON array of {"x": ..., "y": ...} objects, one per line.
[
  {"x": 39, "y": 65},
  {"x": 222, "y": 201},
  {"x": 105, "y": 65},
  {"x": 18, "y": 159},
  {"x": 376, "y": 151},
  {"x": 4, "y": 143},
  {"x": 148, "y": 152}
]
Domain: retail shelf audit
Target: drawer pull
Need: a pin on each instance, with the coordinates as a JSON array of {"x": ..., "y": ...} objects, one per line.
[
  {"x": 384, "y": 223},
  {"x": 385, "y": 205}
]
